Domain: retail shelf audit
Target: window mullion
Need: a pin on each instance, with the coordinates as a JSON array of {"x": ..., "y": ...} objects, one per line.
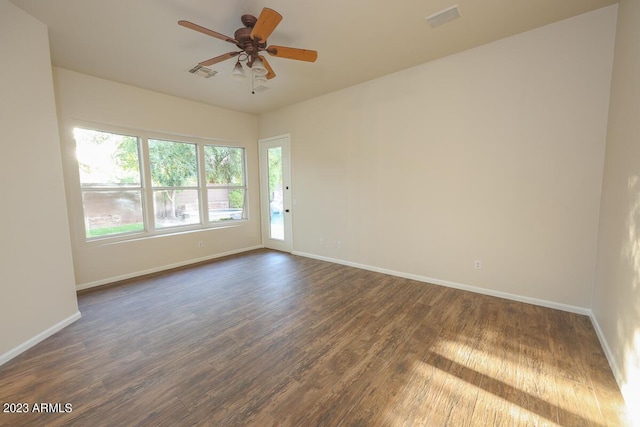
[
  {"x": 202, "y": 186},
  {"x": 147, "y": 189}
]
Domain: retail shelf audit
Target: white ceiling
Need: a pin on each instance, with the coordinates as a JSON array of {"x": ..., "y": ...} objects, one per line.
[{"x": 139, "y": 42}]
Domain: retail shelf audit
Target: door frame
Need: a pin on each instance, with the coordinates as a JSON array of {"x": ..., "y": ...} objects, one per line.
[{"x": 285, "y": 142}]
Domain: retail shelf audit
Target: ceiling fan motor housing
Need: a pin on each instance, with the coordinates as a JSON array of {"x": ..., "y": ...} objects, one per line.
[
  {"x": 248, "y": 21},
  {"x": 243, "y": 35}
]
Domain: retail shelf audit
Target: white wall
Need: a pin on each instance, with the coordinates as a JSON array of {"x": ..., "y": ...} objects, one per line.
[
  {"x": 82, "y": 98},
  {"x": 616, "y": 298},
  {"x": 36, "y": 273},
  {"x": 493, "y": 154}
]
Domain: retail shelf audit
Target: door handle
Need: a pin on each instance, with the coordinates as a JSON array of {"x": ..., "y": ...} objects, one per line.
[{"x": 286, "y": 210}]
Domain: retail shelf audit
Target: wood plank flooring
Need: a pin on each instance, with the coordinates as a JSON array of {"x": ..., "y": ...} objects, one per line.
[{"x": 270, "y": 339}]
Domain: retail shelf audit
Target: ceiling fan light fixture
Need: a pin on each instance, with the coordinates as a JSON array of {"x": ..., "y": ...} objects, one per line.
[
  {"x": 238, "y": 71},
  {"x": 258, "y": 69}
]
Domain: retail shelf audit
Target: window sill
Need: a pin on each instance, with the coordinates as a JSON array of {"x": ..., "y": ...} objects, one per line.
[{"x": 173, "y": 231}]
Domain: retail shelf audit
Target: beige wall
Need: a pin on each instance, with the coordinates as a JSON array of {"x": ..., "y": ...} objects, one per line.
[
  {"x": 36, "y": 273},
  {"x": 493, "y": 154},
  {"x": 85, "y": 99},
  {"x": 616, "y": 298}
]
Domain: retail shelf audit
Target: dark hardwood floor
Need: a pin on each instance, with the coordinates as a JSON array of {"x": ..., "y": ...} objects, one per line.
[{"x": 270, "y": 339}]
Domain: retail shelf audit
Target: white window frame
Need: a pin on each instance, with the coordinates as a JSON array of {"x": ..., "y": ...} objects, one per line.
[
  {"x": 147, "y": 189},
  {"x": 244, "y": 187}
]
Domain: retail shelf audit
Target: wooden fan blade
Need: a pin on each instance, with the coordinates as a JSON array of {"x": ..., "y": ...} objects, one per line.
[
  {"x": 266, "y": 23},
  {"x": 207, "y": 31},
  {"x": 270, "y": 73},
  {"x": 293, "y": 53},
  {"x": 219, "y": 58}
]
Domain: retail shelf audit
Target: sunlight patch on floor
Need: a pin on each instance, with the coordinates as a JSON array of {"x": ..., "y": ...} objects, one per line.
[
  {"x": 456, "y": 384},
  {"x": 437, "y": 397}
]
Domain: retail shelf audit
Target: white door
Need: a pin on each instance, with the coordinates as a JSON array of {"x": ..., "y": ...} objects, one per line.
[{"x": 275, "y": 192}]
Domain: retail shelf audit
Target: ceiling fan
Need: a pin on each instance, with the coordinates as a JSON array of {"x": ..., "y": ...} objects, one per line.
[{"x": 251, "y": 40}]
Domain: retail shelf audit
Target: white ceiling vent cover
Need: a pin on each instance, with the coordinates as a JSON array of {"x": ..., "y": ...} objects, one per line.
[
  {"x": 204, "y": 72},
  {"x": 443, "y": 16}
]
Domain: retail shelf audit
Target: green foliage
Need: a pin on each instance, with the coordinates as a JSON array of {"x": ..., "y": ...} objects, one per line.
[
  {"x": 172, "y": 164},
  {"x": 127, "y": 154},
  {"x": 223, "y": 165},
  {"x": 275, "y": 169},
  {"x": 118, "y": 229},
  {"x": 236, "y": 199}
]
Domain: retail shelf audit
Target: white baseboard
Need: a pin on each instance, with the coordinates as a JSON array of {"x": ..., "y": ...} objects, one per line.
[
  {"x": 475, "y": 289},
  {"x": 617, "y": 373},
  {"x": 162, "y": 268},
  {"x": 4, "y": 358},
  {"x": 630, "y": 399}
]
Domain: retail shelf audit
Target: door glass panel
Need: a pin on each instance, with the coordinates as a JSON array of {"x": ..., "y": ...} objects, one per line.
[{"x": 276, "y": 193}]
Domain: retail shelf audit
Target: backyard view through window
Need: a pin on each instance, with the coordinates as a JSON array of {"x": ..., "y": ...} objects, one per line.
[
  {"x": 116, "y": 201},
  {"x": 110, "y": 182},
  {"x": 224, "y": 169},
  {"x": 174, "y": 178}
]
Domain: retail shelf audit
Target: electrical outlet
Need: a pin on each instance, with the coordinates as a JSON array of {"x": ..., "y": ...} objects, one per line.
[
  {"x": 338, "y": 244},
  {"x": 321, "y": 241},
  {"x": 477, "y": 264},
  {"x": 200, "y": 244}
]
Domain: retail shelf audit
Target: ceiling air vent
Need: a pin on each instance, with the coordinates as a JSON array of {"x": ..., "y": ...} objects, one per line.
[
  {"x": 204, "y": 72},
  {"x": 443, "y": 16}
]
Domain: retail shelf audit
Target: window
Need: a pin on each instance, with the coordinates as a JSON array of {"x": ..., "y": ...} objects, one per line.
[
  {"x": 174, "y": 179},
  {"x": 134, "y": 184},
  {"x": 226, "y": 189},
  {"x": 110, "y": 182}
]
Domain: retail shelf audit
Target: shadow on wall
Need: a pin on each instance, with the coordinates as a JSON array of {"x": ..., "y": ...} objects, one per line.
[{"x": 629, "y": 317}]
